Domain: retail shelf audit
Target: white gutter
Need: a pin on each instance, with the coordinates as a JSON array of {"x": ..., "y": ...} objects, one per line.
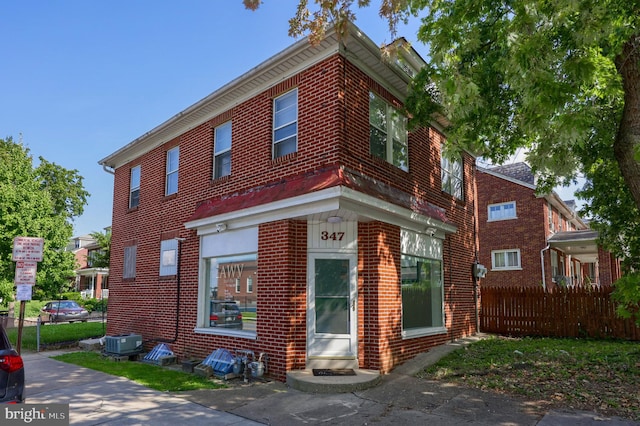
[{"x": 544, "y": 280}]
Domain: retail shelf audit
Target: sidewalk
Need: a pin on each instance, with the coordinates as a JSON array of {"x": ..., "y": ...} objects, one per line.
[
  {"x": 399, "y": 399},
  {"x": 97, "y": 398}
]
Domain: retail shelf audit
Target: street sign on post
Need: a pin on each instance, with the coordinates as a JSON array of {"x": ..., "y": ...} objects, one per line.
[
  {"x": 27, "y": 252},
  {"x": 28, "y": 248},
  {"x": 26, "y": 272}
]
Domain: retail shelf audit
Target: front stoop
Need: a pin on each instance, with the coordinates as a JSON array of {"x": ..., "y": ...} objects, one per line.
[{"x": 305, "y": 381}]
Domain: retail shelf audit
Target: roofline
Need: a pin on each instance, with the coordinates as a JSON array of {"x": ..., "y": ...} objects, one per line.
[
  {"x": 552, "y": 197},
  {"x": 301, "y": 53}
]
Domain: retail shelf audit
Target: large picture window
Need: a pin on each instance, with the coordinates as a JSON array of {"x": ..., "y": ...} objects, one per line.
[
  {"x": 285, "y": 124},
  {"x": 388, "y": 133},
  {"x": 225, "y": 295},
  {"x": 422, "y": 293}
]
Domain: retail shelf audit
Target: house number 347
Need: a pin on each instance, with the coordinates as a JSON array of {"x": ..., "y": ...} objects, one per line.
[{"x": 335, "y": 236}]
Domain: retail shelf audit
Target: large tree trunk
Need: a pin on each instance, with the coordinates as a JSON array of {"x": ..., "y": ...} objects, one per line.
[{"x": 627, "y": 142}]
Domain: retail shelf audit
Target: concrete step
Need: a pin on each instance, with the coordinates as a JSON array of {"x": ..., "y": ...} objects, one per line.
[{"x": 305, "y": 381}]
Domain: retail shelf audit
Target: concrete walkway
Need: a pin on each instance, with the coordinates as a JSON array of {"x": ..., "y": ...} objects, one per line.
[{"x": 97, "y": 398}]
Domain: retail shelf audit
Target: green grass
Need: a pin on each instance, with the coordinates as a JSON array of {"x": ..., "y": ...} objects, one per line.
[
  {"x": 150, "y": 375},
  {"x": 56, "y": 334},
  {"x": 602, "y": 375}
]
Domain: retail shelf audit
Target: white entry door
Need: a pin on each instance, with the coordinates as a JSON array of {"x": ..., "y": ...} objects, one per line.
[{"x": 332, "y": 308}]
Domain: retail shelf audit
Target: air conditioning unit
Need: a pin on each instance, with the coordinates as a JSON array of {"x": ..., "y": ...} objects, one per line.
[{"x": 123, "y": 344}]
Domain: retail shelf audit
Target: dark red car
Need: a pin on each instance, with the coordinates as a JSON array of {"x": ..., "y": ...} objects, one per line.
[
  {"x": 11, "y": 372},
  {"x": 63, "y": 310}
]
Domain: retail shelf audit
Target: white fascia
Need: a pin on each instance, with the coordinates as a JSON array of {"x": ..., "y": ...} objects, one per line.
[{"x": 329, "y": 199}]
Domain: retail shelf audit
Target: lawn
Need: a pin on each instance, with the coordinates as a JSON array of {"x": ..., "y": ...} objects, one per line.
[
  {"x": 57, "y": 334},
  {"x": 149, "y": 375},
  {"x": 585, "y": 374}
]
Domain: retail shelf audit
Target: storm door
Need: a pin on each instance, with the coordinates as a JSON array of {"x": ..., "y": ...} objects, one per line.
[{"x": 332, "y": 308}]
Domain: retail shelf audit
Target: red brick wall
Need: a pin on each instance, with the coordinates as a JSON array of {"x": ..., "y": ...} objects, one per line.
[
  {"x": 527, "y": 232},
  {"x": 333, "y": 128}
]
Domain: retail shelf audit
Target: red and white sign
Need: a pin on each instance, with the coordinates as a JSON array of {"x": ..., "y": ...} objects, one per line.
[
  {"x": 28, "y": 248},
  {"x": 26, "y": 272}
]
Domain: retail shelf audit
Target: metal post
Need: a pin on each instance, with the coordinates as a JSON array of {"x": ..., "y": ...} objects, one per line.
[{"x": 38, "y": 322}]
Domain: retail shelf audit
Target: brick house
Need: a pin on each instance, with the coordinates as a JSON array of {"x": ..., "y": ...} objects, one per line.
[
  {"x": 534, "y": 240},
  {"x": 90, "y": 281},
  {"x": 296, "y": 190}
]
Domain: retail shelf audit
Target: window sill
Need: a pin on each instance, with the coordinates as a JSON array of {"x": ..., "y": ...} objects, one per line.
[
  {"x": 423, "y": 332},
  {"x": 500, "y": 220},
  {"x": 506, "y": 269},
  {"x": 133, "y": 209},
  {"x": 170, "y": 196},
  {"x": 167, "y": 277},
  {"x": 226, "y": 332}
]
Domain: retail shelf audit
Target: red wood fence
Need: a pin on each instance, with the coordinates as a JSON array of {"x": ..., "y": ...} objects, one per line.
[{"x": 565, "y": 312}]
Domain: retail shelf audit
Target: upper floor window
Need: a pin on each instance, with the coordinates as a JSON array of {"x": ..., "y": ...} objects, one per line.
[
  {"x": 452, "y": 174},
  {"x": 502, "y": 211},
  {"x": 173, "y": 159},
  {"x": 222, "y": 151},
  {"x": 134, "y": 187},
  {"x": 388, "y": 133},
  {"x": 285, "y": 124},
  {"x": 505, "y": 259}
]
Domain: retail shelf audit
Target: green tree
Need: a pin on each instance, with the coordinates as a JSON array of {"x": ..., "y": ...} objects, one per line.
[
  {"x": 560, "y": 78},
  {"x": 102, "y": 257},
  {"x": 33, "y": 203}
]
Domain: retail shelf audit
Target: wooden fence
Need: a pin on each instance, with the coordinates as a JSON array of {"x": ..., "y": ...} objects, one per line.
[{"x": 565, "y": 312}]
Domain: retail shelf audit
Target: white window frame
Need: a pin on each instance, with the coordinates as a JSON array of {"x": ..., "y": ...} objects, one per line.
[
  {"x": 452, "y": 174},
  {"x": 169, "y": 257},
  {"x": 250, "y": 284},
  {"x": 222, "y": 149},
  {"x": 507, "y": 267},
  {"x": 134, "y": 186},
  {"x": 285, "y": 120},
  {"x": 238, "y": 286},
  {"x": 172, "y": 171},
  {"x": 395, "y": 132},
  {"x": 499, "y": 213}
]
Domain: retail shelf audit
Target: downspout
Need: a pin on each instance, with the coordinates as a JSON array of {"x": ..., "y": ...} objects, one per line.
[{"x": 544, "y": 280}]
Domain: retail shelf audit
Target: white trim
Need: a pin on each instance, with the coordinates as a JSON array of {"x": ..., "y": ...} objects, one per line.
[
  {"x": 506, "y": 268},
  {"x": 515, "y": 211},
  {"x": 329, "y": 199}
]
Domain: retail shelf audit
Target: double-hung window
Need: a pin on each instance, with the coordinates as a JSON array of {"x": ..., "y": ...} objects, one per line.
[
  {"x": 505, "y": 259},
  {"x": 285, "y": 124},
  {"x": 173, "y": 160},
  {"x": 388, "y": 133},
  {"x": 134, "y": 187},
  {"x": 502, "y": 211},
  {"x": 452, "y": 174},
  {"x": 222, "y": 151}
]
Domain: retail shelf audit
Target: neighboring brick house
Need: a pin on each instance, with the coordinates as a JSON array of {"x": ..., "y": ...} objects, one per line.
[
  {"x": 297, "y": 183},
  {"x": 92, "y": 282},
  {"x": 533, "y": 240}
]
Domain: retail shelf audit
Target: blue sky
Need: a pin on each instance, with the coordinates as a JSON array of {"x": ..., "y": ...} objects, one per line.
[{"x": 82, "y": 78}]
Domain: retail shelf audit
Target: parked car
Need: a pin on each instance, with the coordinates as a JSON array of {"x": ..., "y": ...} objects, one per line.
[
  {"x": 11, "y": 372},
  {"x": 63, "y": 310},
  {"x": 225, "y": 313}
]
